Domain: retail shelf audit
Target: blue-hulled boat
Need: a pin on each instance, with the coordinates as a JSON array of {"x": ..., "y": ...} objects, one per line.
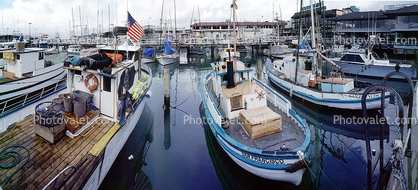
[{"x": 255, "y": 125}]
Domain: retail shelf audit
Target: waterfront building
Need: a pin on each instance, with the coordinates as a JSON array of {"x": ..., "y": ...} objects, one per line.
[{"x": 405, "y": 29}]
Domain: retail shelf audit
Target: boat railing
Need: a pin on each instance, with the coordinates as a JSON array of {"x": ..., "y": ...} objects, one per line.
[
  {"x": 277, "y": 99},
  {"x": 211, "y": 106},
  {"x": 15, "y": 103}
]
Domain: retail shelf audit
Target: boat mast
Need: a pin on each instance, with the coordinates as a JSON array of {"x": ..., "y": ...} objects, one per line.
[
  {"x": 161, "y": 22},
  {"x": 234, "y": 6},
  {"x": 175, "y": 23},
  {"x": 298, "y": 47},
  {"x": 313, "y": 33}
]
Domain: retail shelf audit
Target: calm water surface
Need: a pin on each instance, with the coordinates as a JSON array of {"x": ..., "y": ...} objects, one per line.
[{"x": 173, "y": 149}]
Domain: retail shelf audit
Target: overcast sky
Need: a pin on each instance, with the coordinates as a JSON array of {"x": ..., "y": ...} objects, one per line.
[{"x": 52, "y": 16}]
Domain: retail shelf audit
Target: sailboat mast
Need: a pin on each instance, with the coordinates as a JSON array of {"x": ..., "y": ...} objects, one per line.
[
  {"x": 175, "y": 22},
  {"x": 161, "y": 22}
]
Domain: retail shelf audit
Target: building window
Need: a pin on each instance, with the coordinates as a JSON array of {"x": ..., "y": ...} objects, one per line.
[{"x": 402, "y": 19}]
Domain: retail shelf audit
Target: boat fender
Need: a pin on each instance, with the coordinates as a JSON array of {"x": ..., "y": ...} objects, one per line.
[
  {"x": 291, "y": 92},
  {"x": 149, "y": 94},
  {"x": 301, "y": 164},
  {"x": 225, "y": 124},
  {"x": 93, "y": 86},
  {"x": 318, "y": 79}
]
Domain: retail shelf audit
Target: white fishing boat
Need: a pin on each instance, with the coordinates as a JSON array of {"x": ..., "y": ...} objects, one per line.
[
  {"x": 302, "y": 77},
  {"x": 367, "y": 64},
  {"x": 74, "y": 49},
  {"x": 309, "y": 85},
  {"x": 169, "y": 55},
  {"x": 26, "y": 77},
  {"x": 109, "y": 96},
  {"x": 255, "y": 125},
  {"x": 278, "y": 51}
]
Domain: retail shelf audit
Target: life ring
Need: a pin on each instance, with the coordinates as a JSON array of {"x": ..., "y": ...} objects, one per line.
[{"x": 95, "y": 82}]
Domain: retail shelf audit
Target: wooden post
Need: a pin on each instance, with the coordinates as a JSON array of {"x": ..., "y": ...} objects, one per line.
[
  {"x": 167, "y": 88},
  {"x": 259, "y": 69}
]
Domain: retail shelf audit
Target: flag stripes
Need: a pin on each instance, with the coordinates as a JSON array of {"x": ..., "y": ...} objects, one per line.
[{"x": 135, "y": 31}]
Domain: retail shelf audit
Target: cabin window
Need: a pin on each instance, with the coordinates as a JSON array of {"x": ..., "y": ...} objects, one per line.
[
  {"x": 107, "y": 84},
  {"x": 352, "y": 58},
  {"x": 243, "y": 76},
  {"x": 41, "y": 56},
  {"x": 224, "y": 79},
  {"x": 18, "y": 57},
  {"x": 236, "y": 103}
]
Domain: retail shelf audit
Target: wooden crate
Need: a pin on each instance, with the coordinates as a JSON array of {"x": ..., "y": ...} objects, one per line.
[
  {"x": 51, "y": 134},
  {"x": 259, "y": 122}
]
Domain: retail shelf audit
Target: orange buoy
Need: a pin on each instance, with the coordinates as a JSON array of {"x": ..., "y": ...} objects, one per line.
[
  {"x": 93, "y": 86},
  {"x": 312, "y": 83}
]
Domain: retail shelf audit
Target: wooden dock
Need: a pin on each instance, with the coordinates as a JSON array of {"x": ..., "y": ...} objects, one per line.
[{"x": 47, "y": 160}]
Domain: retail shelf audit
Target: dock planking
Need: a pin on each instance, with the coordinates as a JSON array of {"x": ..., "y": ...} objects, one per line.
[{"x": 47, "y": 160}]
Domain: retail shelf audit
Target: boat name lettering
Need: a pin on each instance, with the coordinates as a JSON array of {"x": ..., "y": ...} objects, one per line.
[
  {"x": 263, "y": 160},
  {"x": 368, "y": 96}
]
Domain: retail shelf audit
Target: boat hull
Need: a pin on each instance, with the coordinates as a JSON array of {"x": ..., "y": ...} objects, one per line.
[
  {"x": 146, "y": 59},
  {"x": 350, "y": 101},
  {"x": 113, "y": 148},
  {"x": 266, "y": 164},
  {"x": 373, "y": 71},
  {"x": 166, "y": 61},
  {"x": 115, "y": 145}
]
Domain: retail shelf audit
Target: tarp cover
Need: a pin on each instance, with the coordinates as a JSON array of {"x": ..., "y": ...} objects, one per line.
[
  {"x": 148, "y": 52},
  {"x": 167, "y": 48},
  {"x": 303, "y": 44}
]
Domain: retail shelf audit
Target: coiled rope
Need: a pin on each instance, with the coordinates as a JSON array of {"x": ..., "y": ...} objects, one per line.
[{"x": 16, "y": 157}]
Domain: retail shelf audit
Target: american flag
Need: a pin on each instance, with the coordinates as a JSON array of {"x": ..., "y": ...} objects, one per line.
[{"x": 135, "y": 30}]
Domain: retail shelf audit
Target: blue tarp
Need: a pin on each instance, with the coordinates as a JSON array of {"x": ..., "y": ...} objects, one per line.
[
  {"x": 303, "y": 45},
  {"x": 148, "y": 52},
  {"x": 167, "y": 48}
]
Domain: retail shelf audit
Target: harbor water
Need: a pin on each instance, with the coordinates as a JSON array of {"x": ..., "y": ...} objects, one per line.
[{"x": 172, "y": 148}]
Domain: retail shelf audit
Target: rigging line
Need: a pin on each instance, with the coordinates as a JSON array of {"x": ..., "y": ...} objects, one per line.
[
  {"x": 346, "y": 169},
  {"x": 321, "y": 172},
  {"x": 191, "y": 116},
  {"x": 184, "y": 100},
  {"x": 352, "y": 150}
]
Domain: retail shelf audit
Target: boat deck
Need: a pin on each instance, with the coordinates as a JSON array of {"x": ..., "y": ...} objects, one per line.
[
  {"x": 292, "y": 136},
  {"x": 47, "y": 160},
  {"x": 8, "y": 76}
]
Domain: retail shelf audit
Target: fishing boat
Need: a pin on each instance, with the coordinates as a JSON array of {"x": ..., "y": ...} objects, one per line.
[
  {"x": 224, "y": 54},
  {"x": 26, "y": 77},
  {"x": 278, "y": 51},
  {"x": 75, "y": 148},
  {"x": 304, "y": 83},
  {"x": 302, "y": 77},
  {"x": 148, "y": 55},
  {"x": 367, "y": 64},
  {"x": 168, "y": 56},
  {"x": 74, "y": 49},
  {"x": 255, "y": 125}
]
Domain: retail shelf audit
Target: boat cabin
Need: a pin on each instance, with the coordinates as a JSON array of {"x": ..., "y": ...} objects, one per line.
[
  {"x": 23, "y": 62},
  {"x": 243, "y": 95}
]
